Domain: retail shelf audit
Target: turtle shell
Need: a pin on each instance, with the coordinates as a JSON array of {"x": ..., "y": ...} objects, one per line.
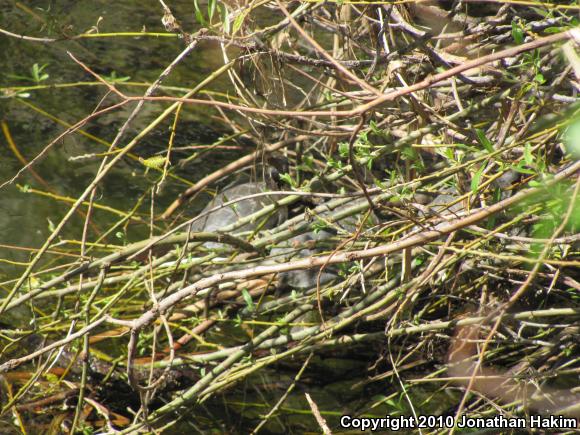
[
  {"x": 223, "y": 217},
  {"x": 301, "y": 246}
]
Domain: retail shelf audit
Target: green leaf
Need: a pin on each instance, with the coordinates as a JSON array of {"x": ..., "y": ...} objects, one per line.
[
  {"x": 224, "y": 17},
  {"x": 198, "y": 15},
  {"x": 113, "y": 78},
  {"x": 528, "y": 156},
  {"x": 343, "y": 149},
  {"x": 248, "y": 299},
  {"x": 287, "y": 178},
  {"x": 51, "y": 226},
  {"x": 522, "y": 169},
  {"x": 477, "y": 177},
  {"x": 52, "y": 378},
  {"x": 238, "y": 23},
  {"x": 154, "y": 162},
  {"x": 572, "y": 139},
  {"x": 318, "y": 226},
  {"x": 211, "y": 5},
  {"x": 484, "y": 140},
  {"x": 517, "y": 33}
]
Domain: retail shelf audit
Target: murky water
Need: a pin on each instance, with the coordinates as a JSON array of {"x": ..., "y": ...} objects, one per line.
[{"x": 53, "y": 90}]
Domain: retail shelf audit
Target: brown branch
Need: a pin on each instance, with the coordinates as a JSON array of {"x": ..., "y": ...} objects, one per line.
[
  {"x": 363, "y": 84},
  {"x": 222, "y": 172},
  {"x": 427, "y": 82},
  {"x": 441, "y": 229}
]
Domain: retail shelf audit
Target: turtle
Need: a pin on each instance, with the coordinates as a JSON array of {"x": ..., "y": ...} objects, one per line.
[
  {"x": 307, "y": 245},
  {"x": 222, "y": 217},
  {"x": 302, "y": 246}
]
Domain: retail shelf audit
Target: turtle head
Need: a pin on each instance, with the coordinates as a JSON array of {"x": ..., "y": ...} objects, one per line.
[{"x": 276, "y": 166}]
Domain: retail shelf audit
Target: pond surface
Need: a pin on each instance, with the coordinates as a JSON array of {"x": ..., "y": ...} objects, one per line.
[{"x": 42, "y": 91}]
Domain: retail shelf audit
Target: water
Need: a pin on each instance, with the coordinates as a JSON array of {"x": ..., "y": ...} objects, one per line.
[{"x": 60, "y": 91}]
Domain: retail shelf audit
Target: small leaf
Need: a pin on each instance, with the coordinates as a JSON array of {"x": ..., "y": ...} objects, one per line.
[
  {"x": 248, "y": 299},
  {"x": 154, "y": 162},
  {"x": 484, "y": 140},
  {"x": 476, "y": 178},
  {"x": 343, "y": 149},
  {"x": 528, "y": 156},
  {"x": 51, "y": 226},
  {"x": 287, "y": 178},
  {"x": 522, "y": 169},
  {"x": 211, "y": 5},
  {"x": 52, "y": 378},
  {"x": 224, "y": 17},
  {"x": 238, "y": 23},
  {"x": 198, "y": 15},
  {"x": 517, "y": 33},
  {"x": 572, "y": 139}
]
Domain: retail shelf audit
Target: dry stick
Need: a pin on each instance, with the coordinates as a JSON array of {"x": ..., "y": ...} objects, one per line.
[
  {"x": 27, "y": 38},
  {"x": 500, "y": 313},
  {"x": 363, "y": 84},
  {"x": 134, "y": 250},
  {"x": 110, "y": 259},
  {"x": 9, "y": 365},
  {"x": 228, "y": 169},
  {"x": 560, "y": 240},
  {"x": 86, "y": 349},
  {"x": 223, "y": 231},
  {"x": 44, "y": 287},
  {"x": 57, "y": 398},
  {"x": 410, "y": 330},
  {"x": 232, "y": 358},
  {"x": 430, "y": 80},
  {"x": 53, "y": 282},
  {"x": 510, "y": 52},
  {"x": 467, "y": 68},
  {"x": 341, "y": 245},
  {"x": 342, "y": 257},
  {"x": 431, "y": 269},
  {"x": 319, "y": 418},
  {"x": 354, "y": 164},
  {"x": 102, "y": 262},
  {"x": 147, "y": 393},
  {"x": 333, "y": 177},
  {"x": 103, "y": 170}
]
